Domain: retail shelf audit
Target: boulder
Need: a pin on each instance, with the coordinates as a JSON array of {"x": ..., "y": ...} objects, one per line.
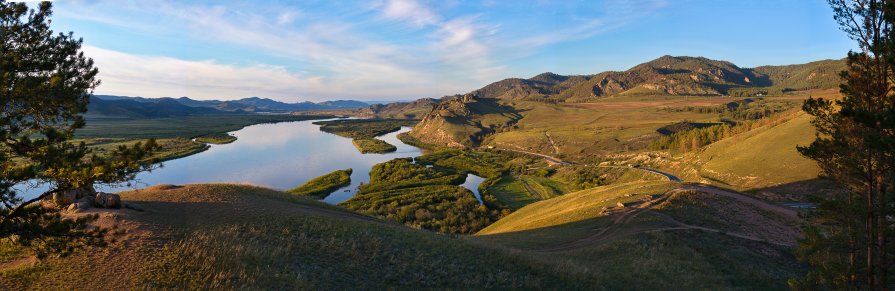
[
  {"x": 83, "y": 205},
  {"x": 108, "y": 200},
  {"x": 61, "y": 199},
  {"x": 85, "y": 191},
  {"x": 90, "y": 200},
  {"x": 78, "y": 206},
  {"x": 66, "y": 197}
]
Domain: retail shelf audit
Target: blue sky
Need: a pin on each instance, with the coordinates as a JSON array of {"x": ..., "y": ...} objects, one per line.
[{"x": 407, "y": 49}]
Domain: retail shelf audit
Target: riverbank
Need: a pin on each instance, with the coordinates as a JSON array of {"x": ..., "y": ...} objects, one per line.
[{"x": 189, "y": 127}]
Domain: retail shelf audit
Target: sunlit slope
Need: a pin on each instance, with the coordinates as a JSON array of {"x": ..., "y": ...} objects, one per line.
[
  {"x": 665, "y": 235},
  {"x": 576, "y": 206},
  {"x": 237, "y": 237},
  {"x": 244, "y": 237},
  {"x": 762, "y": 157}
]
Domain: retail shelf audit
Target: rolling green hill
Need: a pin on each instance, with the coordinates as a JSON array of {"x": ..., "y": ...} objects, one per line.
[
  {"x": 575, "y": 207},
  {"x": 237, "y": 237},
  {"x": 661, "y": 230},
  {"x": 221, "y": 236},
  {"x": 814, "y": 75},
  {"x": 763, "y": 157}
]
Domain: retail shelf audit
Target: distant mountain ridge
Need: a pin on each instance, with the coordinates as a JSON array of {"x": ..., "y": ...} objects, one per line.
[
  {"x": 141, "y": 107},
  {"x": 668, "y": 75},
  {"x": 466, "y": 120}
]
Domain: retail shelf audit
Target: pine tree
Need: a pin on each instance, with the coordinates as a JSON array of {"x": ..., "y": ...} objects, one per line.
[
  {"x": 45, "y": 85},
  {"x": 849, "y": 238}
]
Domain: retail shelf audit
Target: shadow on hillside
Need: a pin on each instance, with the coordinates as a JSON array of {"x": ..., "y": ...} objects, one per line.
[
  {"x": 491, "y": 105},
  {"x": 799, "y": 191},
  {"x": 189, "y": 215},
  {"x": 545, "y": 237}
]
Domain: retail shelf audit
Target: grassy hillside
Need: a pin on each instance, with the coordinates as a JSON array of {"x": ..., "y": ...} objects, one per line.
[
  {"x": 237, "y": 237},
  {"x": 719, "y": 239},
  {"x": 762, "y": 157},
  {"x": 814, "y": 75},
  {"x": 575, "y": 207}
]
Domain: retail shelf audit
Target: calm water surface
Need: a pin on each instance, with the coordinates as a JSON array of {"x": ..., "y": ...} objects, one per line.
[
  {"x": 280, "y": 156},
  {"x": 472, "y": 183}
]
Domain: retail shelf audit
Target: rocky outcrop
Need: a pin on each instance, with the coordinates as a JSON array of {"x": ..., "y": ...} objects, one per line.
[
  {"x": 107, "y": 200},
  {"x": 403, "y": 110},
  {"x": 463, "y": 121},
  {"x": 66, "y": 197}
]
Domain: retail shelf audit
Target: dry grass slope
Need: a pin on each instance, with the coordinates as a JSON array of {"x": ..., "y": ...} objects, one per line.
[
  {"x": 762, "y": 157},
  {"x": 575, "y": 207},
  {"x": 235, "y": 237}
]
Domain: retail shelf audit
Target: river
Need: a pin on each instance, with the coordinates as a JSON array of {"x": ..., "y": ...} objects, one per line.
[{"x": 279, "y": 156}]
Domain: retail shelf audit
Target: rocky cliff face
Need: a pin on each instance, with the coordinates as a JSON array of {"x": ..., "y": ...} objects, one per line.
[{"x": 463, "y": 121}]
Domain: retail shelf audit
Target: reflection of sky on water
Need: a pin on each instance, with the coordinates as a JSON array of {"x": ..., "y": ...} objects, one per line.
[{"x": 279, "y": 156}]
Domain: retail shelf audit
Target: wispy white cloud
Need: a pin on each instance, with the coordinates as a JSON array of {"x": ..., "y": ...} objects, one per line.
[
  {"x": 160, "y": 76},
  {"x": 127, "y": 74},
  {"x": 328, "y": 57},
  {"x": 287, "y": 17},
  {"x": 409, "y": 10}
]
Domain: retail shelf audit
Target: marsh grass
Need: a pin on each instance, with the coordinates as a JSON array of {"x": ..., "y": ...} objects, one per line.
[
  {"x": 322, "y": 186},
  {"x": 373, "y": 145},
  {"x": 216, "y": 138}
]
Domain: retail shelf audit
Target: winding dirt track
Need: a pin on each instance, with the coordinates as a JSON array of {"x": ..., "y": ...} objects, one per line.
[
  {"x": 782, "y": 210},
  {"x": 558, "y": 161},
  {"x": 620, "y": 227},
  {"x": 550, "y": 159}
]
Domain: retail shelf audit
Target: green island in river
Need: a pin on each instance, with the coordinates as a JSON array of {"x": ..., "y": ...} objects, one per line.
[{"x": 322, "y": 186}]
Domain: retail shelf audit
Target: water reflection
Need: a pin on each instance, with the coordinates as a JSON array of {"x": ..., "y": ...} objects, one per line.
[
  {"x": 472, "y": 183},
  {"x": 279, "y": 156}
]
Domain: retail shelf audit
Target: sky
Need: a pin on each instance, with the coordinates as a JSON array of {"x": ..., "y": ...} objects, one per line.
[{"x": 387, "y": 50}]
